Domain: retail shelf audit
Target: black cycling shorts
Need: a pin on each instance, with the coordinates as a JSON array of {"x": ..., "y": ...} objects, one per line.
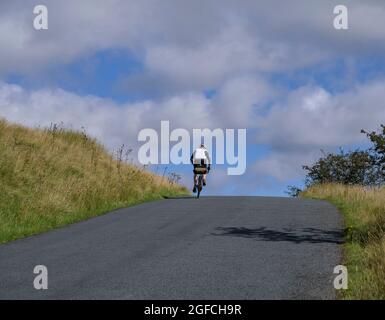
[{"x": 200, "y": 169}]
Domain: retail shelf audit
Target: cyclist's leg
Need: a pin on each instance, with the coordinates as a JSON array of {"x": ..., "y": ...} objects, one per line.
[
  {"x": 195, "y": 183},
  {"x": 195, "y": 175},
  {"x": 204, "y": 176}
]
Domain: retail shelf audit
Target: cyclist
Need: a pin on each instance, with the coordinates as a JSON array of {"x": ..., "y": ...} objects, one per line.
[{"x": 201, "y": 161}]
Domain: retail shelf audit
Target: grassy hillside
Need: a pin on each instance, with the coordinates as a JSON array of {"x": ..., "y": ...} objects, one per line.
[
  {"x": 364, "y": 212},
  {"x": 55, "y": 177}
]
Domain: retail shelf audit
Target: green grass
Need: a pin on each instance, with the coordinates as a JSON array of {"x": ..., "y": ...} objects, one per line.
[
  {"x": 51, "y": 178},
  {"x": 364, "y": 249}
]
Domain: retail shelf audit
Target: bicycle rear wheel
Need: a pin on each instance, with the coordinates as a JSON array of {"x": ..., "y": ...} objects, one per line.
[{"x": 199, "y": 186}]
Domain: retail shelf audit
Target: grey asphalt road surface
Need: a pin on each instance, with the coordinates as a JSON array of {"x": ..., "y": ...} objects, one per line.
[{"x": 211, "y": 248}]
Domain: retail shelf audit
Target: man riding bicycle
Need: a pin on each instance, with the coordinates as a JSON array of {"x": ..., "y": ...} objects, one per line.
[{"x": 201, "y": 161}]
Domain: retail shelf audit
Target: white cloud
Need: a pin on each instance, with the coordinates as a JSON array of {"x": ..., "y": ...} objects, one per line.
[
  {"x": 312, "y": 119},
  {"x": 194, "y": 44},
  {"x": 284, "y": 166},
  {"x": 112, "y": 123},
  {"x": 239, "y": 100}
]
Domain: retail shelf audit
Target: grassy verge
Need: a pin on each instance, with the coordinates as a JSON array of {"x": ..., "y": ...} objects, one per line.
[
  {"x": 364, "y": 212},
  {"x": 50, "y": 178}
]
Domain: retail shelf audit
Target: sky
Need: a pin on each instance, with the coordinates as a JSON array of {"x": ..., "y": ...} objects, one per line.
[{"x": 276, "y": 68}]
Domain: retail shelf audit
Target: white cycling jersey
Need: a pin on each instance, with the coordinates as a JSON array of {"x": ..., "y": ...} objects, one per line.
[{"x": 201, "y": 154}]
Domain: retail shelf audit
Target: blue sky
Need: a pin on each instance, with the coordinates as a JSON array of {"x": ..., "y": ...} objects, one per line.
[{"x": 294, "y": 82}]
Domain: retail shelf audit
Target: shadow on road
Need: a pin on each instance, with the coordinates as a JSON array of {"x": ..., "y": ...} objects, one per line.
[{"x": 309, "y": 235}]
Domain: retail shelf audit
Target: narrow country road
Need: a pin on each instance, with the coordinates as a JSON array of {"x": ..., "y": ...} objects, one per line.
[{"x": 211, "y": 248}]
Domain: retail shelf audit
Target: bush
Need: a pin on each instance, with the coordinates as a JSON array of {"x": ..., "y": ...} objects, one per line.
[
  {"x": 358, "y": 167},
  {"x": 352, "y": 168},
  {"x": 378, "y": 150}
]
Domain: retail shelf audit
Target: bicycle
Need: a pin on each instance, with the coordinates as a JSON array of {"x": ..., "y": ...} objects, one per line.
[{"x": 200, "y": 172}]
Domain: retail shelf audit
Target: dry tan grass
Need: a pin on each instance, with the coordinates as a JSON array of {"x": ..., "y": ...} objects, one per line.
[
  {"x": 49, "y": 178},
  {"x": 364, "y": 212}
]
